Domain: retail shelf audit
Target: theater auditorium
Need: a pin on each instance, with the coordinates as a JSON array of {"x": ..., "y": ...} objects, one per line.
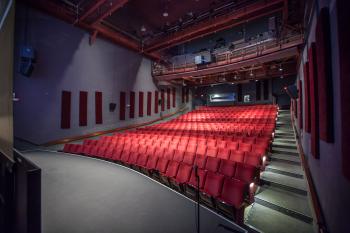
[{"x": 174, "y": 116}]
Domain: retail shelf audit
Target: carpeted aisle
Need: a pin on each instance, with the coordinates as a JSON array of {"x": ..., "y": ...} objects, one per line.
[{"x": 85, "y": 195}]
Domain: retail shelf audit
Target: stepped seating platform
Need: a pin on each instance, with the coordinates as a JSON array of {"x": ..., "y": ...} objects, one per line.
[{"x": 227, "y": 145}]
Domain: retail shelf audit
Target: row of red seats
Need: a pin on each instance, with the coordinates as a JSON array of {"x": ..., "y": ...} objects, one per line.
[{"x": 115, "y": 151}]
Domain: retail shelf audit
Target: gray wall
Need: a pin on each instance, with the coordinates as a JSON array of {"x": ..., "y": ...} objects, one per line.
[
  {"x": 66, "y": 61},
  {"x": 332, "y": 188},
  {"x": 6, "y": 80}
]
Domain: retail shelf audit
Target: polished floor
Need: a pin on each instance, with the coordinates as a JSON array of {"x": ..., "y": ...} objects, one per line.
[{"x": 86, "y": 195}]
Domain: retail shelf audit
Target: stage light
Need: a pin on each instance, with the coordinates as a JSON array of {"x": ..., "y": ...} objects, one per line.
[{"x": 143, "y": 28}]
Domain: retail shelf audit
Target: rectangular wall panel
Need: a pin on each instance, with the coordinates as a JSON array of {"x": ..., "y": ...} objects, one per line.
[
  {"x": 174, "y": 97},
  {"x": 122, "y": 105},
  {"x": 83, "y": 98},
  {"x": 149, "y": 103},
  {"x": 162, "y": 97},
  {"x": 98, "y": 107},
  {"x": 344, "y": 73},
  {"x": 314, "y": 101},
  {"x": 156, "y": 101},
  {"x": 324, "y": 76},
  {"x": 300, "y": 104},
  {"x": 307, "y": 109},
  {"x": 132, "y": 105},
  {"x": 141, "y": 104},
  {"x": 168, "y": 98},
  {"x": 65, "y": 109}
]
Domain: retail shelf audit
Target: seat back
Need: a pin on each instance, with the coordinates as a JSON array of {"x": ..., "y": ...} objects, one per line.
[
  {"x": 213, "y": 184},
  {"x": 227, "y": 168}
]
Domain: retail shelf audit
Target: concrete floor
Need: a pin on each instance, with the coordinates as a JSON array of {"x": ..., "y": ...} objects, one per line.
[{"x": 81, "y": 194}]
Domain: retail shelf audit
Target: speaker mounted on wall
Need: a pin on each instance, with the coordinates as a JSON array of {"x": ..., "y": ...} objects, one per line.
[{"x": 27, "y": 60}]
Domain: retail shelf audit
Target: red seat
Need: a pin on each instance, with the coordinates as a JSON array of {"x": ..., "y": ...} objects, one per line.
[
  {"x": 237, "y": 156},
  {"x": 67, "y": 148},
  {"x": 212, "y": 151},
  {"x": 212, "y": 164},
  {"x": 245, "y": 172},
  {"x": 117, "y": 153},
  {"x": 252, "y": 158},
  {"x": 201, "y": 150},
  {"x": 193, "y": 179},
  {"x": 142, "y": 149},
  {"x": 211, "y": 142},
  {"x": 223, "y": 153},
  {"x": 125, "y": 156},
  {"x": 200, "y": 161},
  {"x": 227, "y": 168},
  {"x": 142, "y": 160},
  {"x": 183, "y": 174},
  {"x": 151, "y": 163},
  {"x": 101, "y": 152},
  {"x": 172, "y": 169},
  {"x": 232, "y": 145},
  {"x": 150, "y": 150},
  {"x": 189, "y": 158},
  {"x": 162, "y": 165},
  {"x": 87, "y": 149},
  {"x": 178, "y": 155},
  {"x": 259, "y": 149},
  {"x": 133, "y": 158},
  {"x": 246, "y": 147},
  {"x": 191, "y": 148},
  {"x": 221, "y": 144},
  {"x": 233, "y": 192},
  {"x": 169, "y": 154},
  {"x": 159, "y": 152},
  {"x": 109, "y": 152},
  {"x": 213, "y": 184}
]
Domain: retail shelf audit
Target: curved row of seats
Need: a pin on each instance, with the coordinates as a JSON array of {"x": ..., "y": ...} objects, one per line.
[{"x": 226, "y": 155}]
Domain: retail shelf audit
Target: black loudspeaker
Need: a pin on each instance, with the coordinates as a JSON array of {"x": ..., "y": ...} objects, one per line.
[
  {"x": 159, "y": 102},
  {"x": 27, "y": 60},
  {"x": 112, "y": 107}
]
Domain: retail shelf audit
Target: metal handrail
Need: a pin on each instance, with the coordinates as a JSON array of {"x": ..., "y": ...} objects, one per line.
[
  {"x": 227, "y": 57},
  {"x": 7, "y": 10}
]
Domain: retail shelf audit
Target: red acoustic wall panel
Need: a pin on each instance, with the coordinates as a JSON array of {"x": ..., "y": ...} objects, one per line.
[
  {"x": 162, "y": 97},
  {"x": 314, "y": 101},
  {"x": 83, "y": 98},
  {"x": 65, "y": 109},
  {"x": 168, "y": 98},
  {"x": 156, "y": 103},
  {"x": 300, "y": 104},
  {"x": 132, "y": 105},
  {"x": 141, "y": 104},
  {"x": 122, "y": 105},
  {"x": 174, "y": 97},
  {"x": 307, "y": 109},
  {"x": 98, "y": 107},
  {"x": 344, "y": 73},
  {"x": 324, "y": 76},
  {"x": 149, "y": 103}
]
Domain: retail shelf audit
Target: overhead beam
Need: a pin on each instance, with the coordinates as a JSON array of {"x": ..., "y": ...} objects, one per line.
[
  {"x": 92, "y": 9},
  {"x": 116, "y": 37},
  {"x": 114, "y": 7},
  {"x": 250, "y": 12}
]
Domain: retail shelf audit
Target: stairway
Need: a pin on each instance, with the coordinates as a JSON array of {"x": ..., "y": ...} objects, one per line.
[{"x": 281, "y": 202}]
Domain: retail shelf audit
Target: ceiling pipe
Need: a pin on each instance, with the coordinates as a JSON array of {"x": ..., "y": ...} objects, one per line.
[
  {"x": 116, "y": 37},
  {"x": 91, "y": 10},
  {"x": 217, "y": 24},
  {"x": 114, "y": 7}
]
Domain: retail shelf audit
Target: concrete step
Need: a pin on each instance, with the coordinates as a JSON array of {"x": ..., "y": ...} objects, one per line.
[
  {"x": 284, "y": 144},
  {"x": 287, "y": 169},
  {"x": 286, "y": 151},
  {"x": 288, "y": 137},
  {"x": 284, "y": 132},
  {"x": 291, "y": 159},
  {"x": 288, "y": 203},
  {"x": 264, "y": 219},
  {"x": 285, "y": 140},
  {"x": 288, "y": 183}
]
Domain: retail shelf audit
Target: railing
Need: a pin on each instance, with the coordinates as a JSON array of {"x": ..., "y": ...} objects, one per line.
[{"x": 247, "y": 51}]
